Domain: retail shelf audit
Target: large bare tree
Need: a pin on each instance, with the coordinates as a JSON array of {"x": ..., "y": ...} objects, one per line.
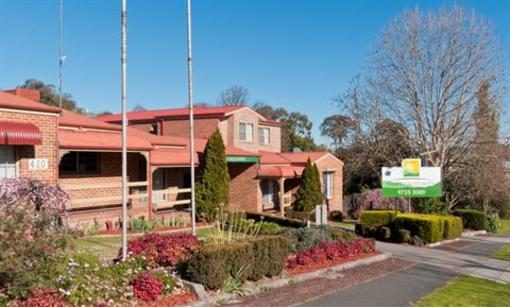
[{"x": 424, "y": 73}]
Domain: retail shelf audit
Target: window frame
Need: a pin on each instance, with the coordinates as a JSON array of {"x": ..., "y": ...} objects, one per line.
[
  {"x": 328, "y": 190},
  {"x": 263, "y": 135},
  {"x": 245, "y": 139}
]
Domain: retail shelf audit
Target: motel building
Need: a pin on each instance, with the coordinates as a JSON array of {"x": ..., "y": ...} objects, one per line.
[{"x": 83, "y": 156}]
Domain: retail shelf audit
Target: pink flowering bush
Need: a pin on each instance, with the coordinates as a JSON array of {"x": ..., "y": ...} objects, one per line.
[
  {"x": 334, "y": 250},
  {"x": 31, "y": 237}
]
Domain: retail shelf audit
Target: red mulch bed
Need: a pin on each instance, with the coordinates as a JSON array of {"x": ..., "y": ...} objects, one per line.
[
  {"x": 118, "y": 231},
  {"x": 453, "y": 246},
  {"x": 171, "y": 300},
  {"x": 325, "y": 264}
]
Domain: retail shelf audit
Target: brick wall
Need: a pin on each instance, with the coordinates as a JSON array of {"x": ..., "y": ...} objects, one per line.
[
  {"x": 180, "y": 127},
  {"x": 247, "y": 116},
  {"x": 330, "y": 163},
  {"x": 244, "y": 189},
  {"x": 47, "y": 124}
]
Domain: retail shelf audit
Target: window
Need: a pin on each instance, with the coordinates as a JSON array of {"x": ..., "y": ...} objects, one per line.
[
  {"x": 7, "y": 161},
  {"x": 264, "y": 135},
  {"x": 267, "y": 187},
  {"x": 154, "y": 129},
  {"x": 246, "y": 132},
  {"x": 327, "y": 182},
  {"x": 78, "y": 163}
]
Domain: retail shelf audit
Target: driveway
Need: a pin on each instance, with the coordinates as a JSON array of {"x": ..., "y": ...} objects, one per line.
[{"x": 400, "y": 288}]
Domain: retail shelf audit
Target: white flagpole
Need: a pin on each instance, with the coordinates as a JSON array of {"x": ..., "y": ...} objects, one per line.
[
  {"x": 61, "y": 52},
  {"x": 123, "y": 61},
  {"x": 191, "y": 126}
]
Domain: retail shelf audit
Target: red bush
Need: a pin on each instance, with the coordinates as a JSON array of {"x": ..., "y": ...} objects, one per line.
[
  {"x": 147, "y": 287},
  {"x": 163, "y": 249},
  {"x": 332, "y": 251},
  {"x": 42, "y": 297}
]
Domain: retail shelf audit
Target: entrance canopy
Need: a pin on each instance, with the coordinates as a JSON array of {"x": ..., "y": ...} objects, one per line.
[{"x": 19, "y": 134}]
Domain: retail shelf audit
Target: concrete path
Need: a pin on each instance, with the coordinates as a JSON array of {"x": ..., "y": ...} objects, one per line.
[
  {"x": 505, "y": 240},
  {"x": 400, "y": 288},
  {"x": 462, "y": 263}
]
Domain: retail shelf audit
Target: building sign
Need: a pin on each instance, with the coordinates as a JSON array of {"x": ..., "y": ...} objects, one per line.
[
  {"x": 37, "y": 164},
  {"x": 411, "y": 180},
  {"x": 242, "y": 159}
]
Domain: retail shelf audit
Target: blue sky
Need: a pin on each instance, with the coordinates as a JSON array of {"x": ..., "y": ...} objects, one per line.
[{"x": 298, "y": 54}]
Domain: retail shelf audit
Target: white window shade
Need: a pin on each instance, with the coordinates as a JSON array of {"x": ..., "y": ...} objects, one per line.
[
  {"x": 246, "y": 132},
  {"x": 327, "y": 182}
]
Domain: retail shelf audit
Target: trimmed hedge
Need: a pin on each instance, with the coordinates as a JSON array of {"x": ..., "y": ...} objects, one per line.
[
  {"x": 284, "y": 222},
  {"x": 430, "y": 228},
  {"x": 452, "y": 227},
  {"x": 376, "y": 218},
  {"x": 212, "y": 265},
  {"x": 473, "y": 219}
]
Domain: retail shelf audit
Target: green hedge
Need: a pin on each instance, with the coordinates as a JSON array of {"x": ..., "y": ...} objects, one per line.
[
  {"x": 452, "y": 227},
  {"x": 473, "y": 219},
  {"x": 284, "y": 222},
  {"x": 211, "y": 265},
  {"x": 376, "y": 218},
  {"x": 430, "y": 228}
]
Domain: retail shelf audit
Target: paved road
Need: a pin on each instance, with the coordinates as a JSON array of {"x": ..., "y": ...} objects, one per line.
[
  {"x": 400, "y": 288},
  {"x": 463, "y": 263}
]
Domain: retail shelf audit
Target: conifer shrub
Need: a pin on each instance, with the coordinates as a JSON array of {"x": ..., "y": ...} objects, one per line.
[
  {"x": 213, "y": 181},
  {"x": 309, "y": 193}
]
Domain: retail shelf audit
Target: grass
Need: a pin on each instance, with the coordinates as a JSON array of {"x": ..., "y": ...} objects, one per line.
[
  {"x": 505, "y": 229},
  {"x": 468, "y": 291},
  {"x": 346, "y": 225},
  {"x": 503, "y": 253}
]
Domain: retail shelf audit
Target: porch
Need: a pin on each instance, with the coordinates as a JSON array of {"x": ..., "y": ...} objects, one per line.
[{"x": 278, "y": 185}]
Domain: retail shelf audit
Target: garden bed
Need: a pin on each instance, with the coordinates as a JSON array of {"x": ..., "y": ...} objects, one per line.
[
  {"x": 171, "y": 300},
  {"x": 118, "y": 231},
  {"x": 327, "y": 264}
]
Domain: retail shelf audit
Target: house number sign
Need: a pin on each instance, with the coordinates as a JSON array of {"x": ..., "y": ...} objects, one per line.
[{"x": 37, "y": 164}]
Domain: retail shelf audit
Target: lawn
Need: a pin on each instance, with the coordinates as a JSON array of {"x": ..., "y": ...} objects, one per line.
[
  {"x": 505, "y": 229},
  {"x": 346, "y": 224},
  {"x": 503, "y": 253},
  {"x": 468, "y": 291}
]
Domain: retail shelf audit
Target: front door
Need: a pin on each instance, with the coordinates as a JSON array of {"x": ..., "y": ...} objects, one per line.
[{"x": 7, "y": 161}]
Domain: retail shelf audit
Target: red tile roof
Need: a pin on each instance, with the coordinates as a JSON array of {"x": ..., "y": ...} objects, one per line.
[
  {"x": 16, "y": 102},
  {"x": 275, "y": 171},
  {"x": 72, "y": 119},
  {"x": 272, "y": 158},
  {"x": 99, "y": 140},
  {"x": 302, "y": 157},
  {"x": 170, "y": 113}
]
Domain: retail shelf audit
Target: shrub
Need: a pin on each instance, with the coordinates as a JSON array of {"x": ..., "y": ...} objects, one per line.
[
  {"x": 332, "y": 251},
  {"x": 169, "y": 282},
  {"x": 213, "y": 180},
  {"x": 493, "y": 223},
  {"x": 384, "y": 233},
  {"x": 306, "y": 238},
  {"x": 336, "y": 216},
  {"x": 404, "y": 236},
  {"x": 147, "y": 287},
  {"x": 163, "y": 249},
  {"x": 42, "y": 297},
  {"x": 473, "y": 219},
  {"x": 283, "y": 222},
  {"x": 309, "y": 192},
  {"x": 212, "y": 265},
  {"x": 32, "y": 242},
  {"x": 452, "y": 227},
  {"x": 142, "y": 225},
  {"x": 376, "y": 218},
  {"x": 262, "y": 227},
  {"x": 430, "y": 228}
]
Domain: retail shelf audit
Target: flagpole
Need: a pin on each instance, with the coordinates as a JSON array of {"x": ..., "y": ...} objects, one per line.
[
  {"x": 191, "y": 124},
  {"x": 123, "y": 61},
  {"x": 61, "y": 52}
]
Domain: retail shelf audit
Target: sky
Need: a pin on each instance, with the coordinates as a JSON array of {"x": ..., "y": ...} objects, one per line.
[{"x": 297, "y": 54}]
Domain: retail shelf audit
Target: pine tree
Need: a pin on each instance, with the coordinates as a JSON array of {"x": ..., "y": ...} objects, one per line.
[
  {"x": 309, "y": 192},
  {"x": 213, "y": 180}
]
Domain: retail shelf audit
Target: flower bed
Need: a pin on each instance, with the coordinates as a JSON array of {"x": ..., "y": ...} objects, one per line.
[
  {"x": 330, "y": 253},
  {"x": 118, "y": 231}
]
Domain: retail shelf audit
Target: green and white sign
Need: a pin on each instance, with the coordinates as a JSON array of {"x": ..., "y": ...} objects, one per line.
[
  {"x": 242, "y": 159},
  {"x": 411, "y": 180}
]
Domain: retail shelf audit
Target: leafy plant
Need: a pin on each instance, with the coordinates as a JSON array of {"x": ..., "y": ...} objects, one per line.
[
  {"x": 146, "y": 287},
  {"x": 493, "y": 223},
  {"x": 140, "y": 224},
  {"x": 169, "y": 282},
  {"x": 306, "y": 238},
  {"x": 41, "y": 297}
]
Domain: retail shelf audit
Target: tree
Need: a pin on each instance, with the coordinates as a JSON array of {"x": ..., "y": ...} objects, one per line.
[
  {"x": 429, "y": 84},
  {"x": 50, "y": 97},
  {"x": 139, "y": 107},
  {"x": 234, "y": 96},
  {"x": 309, "y": 192},
  {"x": 337, "y": 127},
  {"x": 213, "y": 181}
]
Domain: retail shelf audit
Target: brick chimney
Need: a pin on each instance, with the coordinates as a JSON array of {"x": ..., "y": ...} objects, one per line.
[{"x": 29, "y": 94}]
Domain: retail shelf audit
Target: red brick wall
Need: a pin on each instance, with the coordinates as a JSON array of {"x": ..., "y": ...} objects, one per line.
[
  {"x": 180, "y": 127},
  {"x": 330, "y": 163},
  {"x": 47, "y": 124},
  {"x": 244, "y": 187}
]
